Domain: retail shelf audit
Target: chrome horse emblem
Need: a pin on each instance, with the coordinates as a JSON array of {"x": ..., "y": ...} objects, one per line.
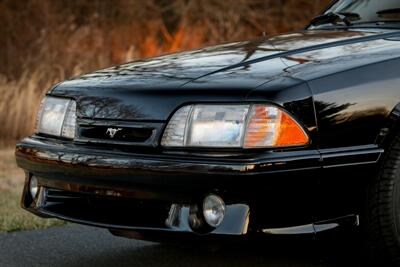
[{"x": 112, "y": 131}]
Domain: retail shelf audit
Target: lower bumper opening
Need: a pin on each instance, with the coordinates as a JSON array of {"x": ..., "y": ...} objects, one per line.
[
  {"x": 118, "y": 212},
  {"x": 125, "y": 213}
]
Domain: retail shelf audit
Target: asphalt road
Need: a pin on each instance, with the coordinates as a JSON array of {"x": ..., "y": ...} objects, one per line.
[{"x": 74, "y": 245}]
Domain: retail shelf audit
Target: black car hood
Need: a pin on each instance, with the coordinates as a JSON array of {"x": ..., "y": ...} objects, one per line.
[{"x": 151, "y": 89}]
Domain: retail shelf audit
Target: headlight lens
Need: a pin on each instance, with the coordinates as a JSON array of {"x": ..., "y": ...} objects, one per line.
[
  {"x": 217, "y": 126},
  {"x": 69, "y": 126},
  {"x": 230, "y": 126},
  {"x": 57, "y": 116}
]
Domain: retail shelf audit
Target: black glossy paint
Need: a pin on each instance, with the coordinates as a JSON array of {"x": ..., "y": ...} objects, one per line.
[
  {"x": 342, "y": 85},
  {"x": 333, "y": 67}
]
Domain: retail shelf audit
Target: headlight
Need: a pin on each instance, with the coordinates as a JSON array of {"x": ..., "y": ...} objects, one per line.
[
  {"x": 57, "y": 116},
  {"x": 233, "y": 126}
]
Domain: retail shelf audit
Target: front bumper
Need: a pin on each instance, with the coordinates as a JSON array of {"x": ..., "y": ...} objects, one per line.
[{"x": 272, "y": 192}]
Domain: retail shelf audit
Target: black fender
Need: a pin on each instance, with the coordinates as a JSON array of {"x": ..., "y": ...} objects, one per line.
[{"x": 392, "y": 129}]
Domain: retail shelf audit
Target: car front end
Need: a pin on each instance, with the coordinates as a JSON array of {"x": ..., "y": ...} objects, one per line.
[
  {"x": 274, "y": 136},
  {"x": 181, "y": 175}
]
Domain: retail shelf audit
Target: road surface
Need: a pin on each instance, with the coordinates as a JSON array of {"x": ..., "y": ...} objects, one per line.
[{"x": 74, "y": 245}]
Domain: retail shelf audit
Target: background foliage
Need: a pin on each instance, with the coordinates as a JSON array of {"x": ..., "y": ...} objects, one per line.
[{"x": 44, "y": 41}]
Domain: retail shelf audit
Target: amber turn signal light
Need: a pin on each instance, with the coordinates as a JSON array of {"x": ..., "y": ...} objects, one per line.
[{"x": 270, "y": 126}]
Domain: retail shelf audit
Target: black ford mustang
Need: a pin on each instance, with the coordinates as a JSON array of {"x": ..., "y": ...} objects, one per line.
[{"x": 291, "y": 135}]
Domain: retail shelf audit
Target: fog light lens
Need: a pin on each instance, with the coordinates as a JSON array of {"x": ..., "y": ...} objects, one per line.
[
  {"x": 33, "y": 187},
  {"x": 213, "y": 210}
]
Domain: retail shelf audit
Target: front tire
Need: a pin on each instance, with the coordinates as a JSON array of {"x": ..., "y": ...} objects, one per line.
[{"x": 383, "y": 210}]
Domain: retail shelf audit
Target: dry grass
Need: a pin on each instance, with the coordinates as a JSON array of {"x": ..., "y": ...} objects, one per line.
[
  {"x": 18, "y": 105},
  {"x": 11, "y": 176},
  {"x": 12, "y": 217}
]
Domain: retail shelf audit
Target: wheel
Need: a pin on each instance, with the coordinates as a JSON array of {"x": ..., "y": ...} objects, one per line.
[{"x": 383, "y": 209}]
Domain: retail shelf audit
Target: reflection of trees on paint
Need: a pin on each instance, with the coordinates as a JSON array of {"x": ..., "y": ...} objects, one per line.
[
  {"x": 338, "y": 125},
  {"x": 106, "y": 107},
  {"x": 330, "y": 113}
]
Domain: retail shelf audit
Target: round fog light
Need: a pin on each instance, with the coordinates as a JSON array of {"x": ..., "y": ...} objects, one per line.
[
  {"x": 33, "y": 186},
  {"x": 213, "y": 210}
]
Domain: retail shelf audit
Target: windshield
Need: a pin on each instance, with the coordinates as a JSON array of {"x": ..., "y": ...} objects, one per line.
[{"x": 360, "y": 12}]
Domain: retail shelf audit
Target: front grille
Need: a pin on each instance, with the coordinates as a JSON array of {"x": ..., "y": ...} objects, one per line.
[
  {"x": 124, "y": 134},
  {"x": 116, "y": 132}
]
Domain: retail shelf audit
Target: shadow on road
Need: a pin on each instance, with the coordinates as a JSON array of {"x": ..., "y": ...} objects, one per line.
[
  {"x": 274, "y": 253},
  {"x": 74, "y": 245}
]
